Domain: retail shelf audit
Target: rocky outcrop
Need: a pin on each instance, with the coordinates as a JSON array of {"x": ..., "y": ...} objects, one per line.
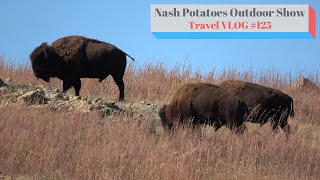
[
  {"x": 304, "y": 84},
  {"x": 38, "y": 96}
]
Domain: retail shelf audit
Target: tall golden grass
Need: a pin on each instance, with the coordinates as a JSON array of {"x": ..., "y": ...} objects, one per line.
[{"x": 42, "y": 144}]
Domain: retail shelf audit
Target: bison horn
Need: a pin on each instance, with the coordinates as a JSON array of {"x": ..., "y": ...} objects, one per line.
[{"x": 45, "y": 53}]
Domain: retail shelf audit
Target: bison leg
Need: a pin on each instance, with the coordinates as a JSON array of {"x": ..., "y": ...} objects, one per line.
[
  {"x": 77, "y": 86},
  {"x": 119, "y": 81},
  {"x": 262, "y": 123},
  {"x": 66, "y": 85},
  {"x": 281, "y": 119},
  {"x": 284, "y": 124},
  {"x": 240, "y": 129},
  {"x": 275, "y": 125},
  {"x": 286, "y": 128},
  {"x": 217, "y": 126}
]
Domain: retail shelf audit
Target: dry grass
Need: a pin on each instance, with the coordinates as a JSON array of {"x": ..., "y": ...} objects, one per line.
[{"x": 48, "y": 145}]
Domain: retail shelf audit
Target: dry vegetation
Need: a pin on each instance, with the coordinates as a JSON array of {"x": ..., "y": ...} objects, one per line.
[{"x": 43, "y": 144}]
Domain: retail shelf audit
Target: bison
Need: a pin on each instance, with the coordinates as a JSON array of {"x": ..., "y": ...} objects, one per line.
[
  {"x": 203, "y": 103},
  {"x": 265, "y": 104},
  {"x": 73, "y": 57}
]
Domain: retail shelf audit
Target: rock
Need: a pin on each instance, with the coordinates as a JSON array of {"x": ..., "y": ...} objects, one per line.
[
  {"x": 54, "y": 96},
  {"x": 107, "y": 109},
  {"x": 2, "y": 84},
  {"x": 35, "y": 97},
  {"x": 58, "y": 105},
  {"x": 111, "y": 102},
  {"x": 112, "y": 105},
  {"x": 105, "y": 112},
  {"x": 3, "y": 89},
  {"x": 97, "y": 107},
  {"x": 97, "y": 101},
  {"x": 8, "y": 80},
  {"x": 74, "y": 98},
  {"x": 40, "y": 86},
  {"x": 304, "y": 84},
  {"x": 58, "y": 96},
  {"x": 152, "y": 105},
  {"x": 89, "y": 101},
  {"x": 65, "y": 97}
]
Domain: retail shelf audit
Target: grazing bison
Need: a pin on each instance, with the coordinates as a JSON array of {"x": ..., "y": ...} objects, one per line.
[
  {"x": 203, "y": 103},
  {"x": 74, "y": 57},
  {"x": 264, "y": 103}
]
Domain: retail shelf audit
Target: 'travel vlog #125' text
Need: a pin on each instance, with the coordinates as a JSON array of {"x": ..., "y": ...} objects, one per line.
[{"x": 223, "y": 25}]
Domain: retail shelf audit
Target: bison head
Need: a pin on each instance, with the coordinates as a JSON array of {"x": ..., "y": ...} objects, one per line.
[
  {"x": 42, "y": 60},
  {"x": 164, "y": 118},
  {"x": 162, "y": 112}
]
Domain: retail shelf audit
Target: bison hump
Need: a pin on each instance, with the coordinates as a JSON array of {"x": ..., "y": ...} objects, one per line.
[{"x": 70, "y": 48}]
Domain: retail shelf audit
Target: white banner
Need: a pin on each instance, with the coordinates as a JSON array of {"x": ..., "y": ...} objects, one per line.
[{"x": 256, "y": 21}]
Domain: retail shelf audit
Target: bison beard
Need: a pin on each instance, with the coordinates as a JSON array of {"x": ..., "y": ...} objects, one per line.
[
  {"x": 74, "y": 57},
  {"x": 203, "y": 103},
  {"x": 265, "y": 104}
]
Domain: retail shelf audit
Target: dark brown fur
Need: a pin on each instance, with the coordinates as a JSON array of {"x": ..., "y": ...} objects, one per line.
[
  {"x": 264, "y": 103},
  {"x": 203, "y": 103},
  {"x": 74, "y": 57}
]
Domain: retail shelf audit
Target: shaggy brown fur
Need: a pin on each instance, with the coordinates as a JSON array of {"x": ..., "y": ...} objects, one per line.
[
  {"x": 70, "y": 48},
  {"x": 264, "y": 103},
  {"x": 74, "y": 57},
  {"x": 203, "y": 103}
]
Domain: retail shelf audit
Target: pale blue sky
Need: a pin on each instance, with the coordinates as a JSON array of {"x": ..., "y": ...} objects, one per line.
[{"x": 26, "y": 24}]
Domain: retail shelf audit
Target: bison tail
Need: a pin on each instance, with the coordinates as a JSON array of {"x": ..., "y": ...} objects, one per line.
[
  {"x": 129, "y": 56},
  {"x": 292, "y": 109}
]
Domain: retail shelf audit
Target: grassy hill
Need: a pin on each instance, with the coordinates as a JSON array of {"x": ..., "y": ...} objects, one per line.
[{"x": 96, "y": 137}]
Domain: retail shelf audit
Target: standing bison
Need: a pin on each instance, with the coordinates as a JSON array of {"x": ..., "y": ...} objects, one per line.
[
  {"x": 203, "y": 103},
  {"x": 264, "y": 103},
  {"x": 74, "y": 57}
]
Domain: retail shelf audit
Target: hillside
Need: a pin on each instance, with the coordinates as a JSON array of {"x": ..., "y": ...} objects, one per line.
[{"x": 49, "y": 135}]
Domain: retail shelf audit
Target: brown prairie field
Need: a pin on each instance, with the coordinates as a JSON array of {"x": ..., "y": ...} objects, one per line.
[{"x": 44, "y": 144}]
